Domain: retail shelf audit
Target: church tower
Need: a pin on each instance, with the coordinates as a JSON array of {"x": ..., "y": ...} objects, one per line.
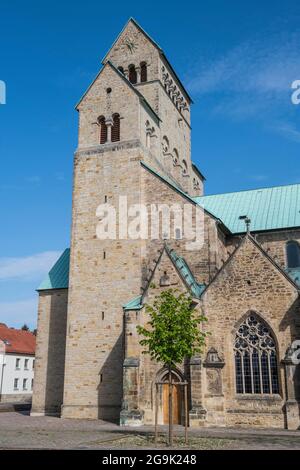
[{"x": 135, "y": 110}]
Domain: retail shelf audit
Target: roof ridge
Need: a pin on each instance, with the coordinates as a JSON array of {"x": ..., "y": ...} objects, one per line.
[{"x": 249, "y": 190}]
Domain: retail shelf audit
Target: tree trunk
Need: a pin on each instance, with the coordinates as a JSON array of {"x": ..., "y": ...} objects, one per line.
[
  {"x": 170, "y": 408},
  {"x": 156, "y": 412},
  {"x": 185, "y": 414}
]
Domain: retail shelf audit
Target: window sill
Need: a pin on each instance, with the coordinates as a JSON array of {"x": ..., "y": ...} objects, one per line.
[{"x": 259, "y": 397}]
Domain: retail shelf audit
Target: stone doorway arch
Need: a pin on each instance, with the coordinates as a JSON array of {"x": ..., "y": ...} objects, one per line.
[{"x": 162, "y": 380}]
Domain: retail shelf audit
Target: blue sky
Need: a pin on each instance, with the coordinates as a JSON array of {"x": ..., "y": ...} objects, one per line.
[{"x": 237, "y": 59}]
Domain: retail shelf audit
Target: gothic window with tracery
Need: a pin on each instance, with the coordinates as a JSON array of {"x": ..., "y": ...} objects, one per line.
[{"x": 256, "y": 368}]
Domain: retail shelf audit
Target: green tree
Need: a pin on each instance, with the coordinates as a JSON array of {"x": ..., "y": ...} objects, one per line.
[
  {"x": 172, "y": 334},
  {"x": 25, "y": 327}
]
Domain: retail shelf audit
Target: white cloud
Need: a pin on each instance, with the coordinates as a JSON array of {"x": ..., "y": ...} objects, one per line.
[
  {"x": 19, "y": 312},
  {"x": 253, "y": 79},
  {"x": 28, "y": 267}
]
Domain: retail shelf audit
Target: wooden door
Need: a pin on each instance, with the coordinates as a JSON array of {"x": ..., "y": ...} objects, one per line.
[{"x": 176, "y": 403}]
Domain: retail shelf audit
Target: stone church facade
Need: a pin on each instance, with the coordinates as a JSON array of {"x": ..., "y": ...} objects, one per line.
[{"x": 135, "y": 141}]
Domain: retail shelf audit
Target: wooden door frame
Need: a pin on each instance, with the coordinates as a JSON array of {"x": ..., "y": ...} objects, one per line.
[{"x": 162, "y": 379}]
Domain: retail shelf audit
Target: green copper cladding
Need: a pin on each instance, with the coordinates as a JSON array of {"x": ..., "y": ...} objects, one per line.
[
  {"x": 268, "y": 208},
  {"x": 58, "y": 276},
  {"x": 186, "y": 274},
  {"x": 134, "y": 304}
]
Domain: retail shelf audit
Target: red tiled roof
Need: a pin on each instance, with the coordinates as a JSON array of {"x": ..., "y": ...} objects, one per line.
[{"x": 17, "y": 341}]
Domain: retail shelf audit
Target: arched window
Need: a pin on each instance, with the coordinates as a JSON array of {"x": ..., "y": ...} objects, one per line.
[
  {"x": 256, "y": 369},
  {"x": 121, "y": 69},
  {"x": 293, "y": 254},
  {"x": 115, "y": 130},
  {"x": 143, "y": 72},
  {"x": 132, "y": 74},
  {"x": 103, "y": 130}
]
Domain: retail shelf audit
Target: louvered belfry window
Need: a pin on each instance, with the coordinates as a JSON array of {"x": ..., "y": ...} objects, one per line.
[
  {"x": 115, "y": 131},
  {"x": 132, "y": 74},
  {"x": 143, "y": 72},
  {"x": 103, "y": 130}
]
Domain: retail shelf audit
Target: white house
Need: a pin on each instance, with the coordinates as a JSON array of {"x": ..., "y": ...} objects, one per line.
[{"x": 17, "y": 356}]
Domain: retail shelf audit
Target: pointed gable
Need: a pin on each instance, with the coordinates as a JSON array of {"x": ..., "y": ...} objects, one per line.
[
  {"x": 250, "y": 273},
  {"x": 134, "y": 46},
  {"x": 130, "y": 39},
  {"x": 105, "y": 77},
  {"x": 170, "y": 271}
]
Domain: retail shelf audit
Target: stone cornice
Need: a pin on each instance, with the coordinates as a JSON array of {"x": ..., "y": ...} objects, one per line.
[{"x": 102, "y": 148}]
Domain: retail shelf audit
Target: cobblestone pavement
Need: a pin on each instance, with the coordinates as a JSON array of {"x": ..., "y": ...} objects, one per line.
[{"x": 21, "y": 431}]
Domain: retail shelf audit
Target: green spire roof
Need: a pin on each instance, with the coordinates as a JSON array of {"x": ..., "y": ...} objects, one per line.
[
  {"x": 268, "y": 208},
  {"x": 58, "y": 276}
]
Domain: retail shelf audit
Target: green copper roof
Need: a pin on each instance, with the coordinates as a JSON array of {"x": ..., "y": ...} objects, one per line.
[
  {"x": 186, "y": 273},
  {"x": 134, "y": 304},
  {"x": 268, "y": 208},
  {"x": 58, "y": 276}
]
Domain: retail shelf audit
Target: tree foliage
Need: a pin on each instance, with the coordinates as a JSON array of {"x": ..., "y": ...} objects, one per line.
[{"x": 173, "y": 331}]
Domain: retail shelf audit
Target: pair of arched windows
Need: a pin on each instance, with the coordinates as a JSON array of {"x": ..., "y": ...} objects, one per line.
[
  {"x": 293, "y": 254},
  {"x": 132, "y": 73},
  {"x": 115, "y": 129}
]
